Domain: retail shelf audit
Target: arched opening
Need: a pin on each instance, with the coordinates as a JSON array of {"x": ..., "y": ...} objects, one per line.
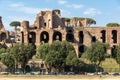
[
  {"x": 22, "y": 37},
  {"x": 70, "y": 36},
  {"x": 45, "y": 24},
  {"x": 114, "y": 36},
  {"x": 27, "y": 68},
  {"x": 81, "y": 37},
  {"x": 3, "y": 36},
  {"x": 93, "y": 39},
  {"x": 113, "y": 54},
  {"x": 81, "y": 49},
  {"x": 57, "y": 36},
  {"x": 103, "y": 37},
  {"x": 32, "y": 37},
  {"x": 44, "y": 37}
]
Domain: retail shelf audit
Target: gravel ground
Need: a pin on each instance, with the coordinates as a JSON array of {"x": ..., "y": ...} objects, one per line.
[{"x": 56, "y": 79}]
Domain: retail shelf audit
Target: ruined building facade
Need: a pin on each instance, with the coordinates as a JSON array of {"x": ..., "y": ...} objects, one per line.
[{"x": 50, "y": 26}]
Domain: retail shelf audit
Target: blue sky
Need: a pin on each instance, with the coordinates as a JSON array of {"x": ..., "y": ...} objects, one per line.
[{"x": 103, "y": 11}]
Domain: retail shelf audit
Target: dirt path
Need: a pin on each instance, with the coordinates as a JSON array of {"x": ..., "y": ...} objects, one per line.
[{"x": 55, "y": 79}]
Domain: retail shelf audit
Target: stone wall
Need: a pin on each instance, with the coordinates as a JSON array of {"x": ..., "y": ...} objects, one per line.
[{"x": 50, "y": 26}]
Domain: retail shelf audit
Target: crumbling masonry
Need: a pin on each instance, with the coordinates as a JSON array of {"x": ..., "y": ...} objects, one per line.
[{"x": 50, "y": 26}]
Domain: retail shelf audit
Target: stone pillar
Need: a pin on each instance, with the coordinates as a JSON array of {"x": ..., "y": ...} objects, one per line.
[
  {"x": 76, "y": 36},
  {"x": 76, "y": 49},
  {"x": 24, "y": 29},
  {"x": 37, "y": 38},
  {"x": 64, "y": 33},
  {"x": 51, "y": 36},
  {"x": 108, "y": 36}
]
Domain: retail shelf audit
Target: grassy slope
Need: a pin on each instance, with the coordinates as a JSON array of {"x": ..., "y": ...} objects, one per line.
[{"x": 109, "y": 65}]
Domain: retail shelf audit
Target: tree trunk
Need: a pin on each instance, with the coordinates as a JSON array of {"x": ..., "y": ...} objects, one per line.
[{"x": 119, "y": 67}]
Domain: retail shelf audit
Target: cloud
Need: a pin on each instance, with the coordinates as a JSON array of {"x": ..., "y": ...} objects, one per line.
[
  {"x": 76, "y": 6},
  {"x": 62, "y": 2},
  {"x": 25, "y": 9},
  {"x": 92, "y": 11},
  {"x": 65, "y": 12},
  {"x": 16, "y": 5},
  {"x": 31, "y": 19}
]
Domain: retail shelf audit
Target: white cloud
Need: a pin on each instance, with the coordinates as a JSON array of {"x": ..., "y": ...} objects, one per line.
[
  {"x": 16, "y": 5},
  {"x": 31, "y": 19},
  {"x": 62, "y": 2},
  {"x": 92, "y": 11},
  {"x": 65, "y": 13},
  {"x": 76, "y": 6},
  {"x": 23, "y": 8}
]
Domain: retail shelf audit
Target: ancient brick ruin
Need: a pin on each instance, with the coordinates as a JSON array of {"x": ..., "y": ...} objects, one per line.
[{"x": 50, "y": 26}]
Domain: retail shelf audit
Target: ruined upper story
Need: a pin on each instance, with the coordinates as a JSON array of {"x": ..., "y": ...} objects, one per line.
[
  {"x": 4, "y": 34},
  {"x": 52, "y": 19},
  {"x": 2, "y": 29}
]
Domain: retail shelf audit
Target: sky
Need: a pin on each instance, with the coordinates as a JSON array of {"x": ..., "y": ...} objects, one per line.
[{"x": 102, "y": 11}]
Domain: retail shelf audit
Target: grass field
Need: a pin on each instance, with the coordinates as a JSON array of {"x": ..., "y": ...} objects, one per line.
[
  {"x": 109, "y": 65},
  {"x": 71, "y": 77}
]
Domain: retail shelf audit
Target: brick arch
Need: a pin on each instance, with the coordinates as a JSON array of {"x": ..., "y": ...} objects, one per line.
[
  {"x": 70, "y": 36},
  {"x": 94, "y": 39},
  {"x": 81, "y": 49},
  {"x": 114, "y": 36},
  {"x": 113, "y": 54},
  {"x": 3, "y": 36},
  {"x": 57, "y": 36},
  {"x": 103, "y": 36},
  {"x": 44, "y": 37},
  {"x": 32, "y": 37},
  {"x": 81, "y": 37}
]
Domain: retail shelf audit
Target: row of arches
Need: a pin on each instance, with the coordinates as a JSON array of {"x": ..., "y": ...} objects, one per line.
[
  {"x": 103, "y": 36},
  {"x": 114, "y": 36},
  {"x": 44, "y": 36}
]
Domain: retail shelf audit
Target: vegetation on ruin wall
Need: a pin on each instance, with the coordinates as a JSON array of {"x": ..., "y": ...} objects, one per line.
[
  {"x": 15, "y": 24},
  {"x": 113, "y": 25}
]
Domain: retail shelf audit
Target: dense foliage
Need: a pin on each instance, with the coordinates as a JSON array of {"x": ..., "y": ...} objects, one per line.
[
  {"x": 96, "y": 53},
  {"x": 15, "y": 23},
  {"x": 89, "y": 21},
  {"x": 117, "y": 54},
  {"x": 58, "y": 55},
  {"x": 112, "y": 25},
  {"x": 19, "y": 54}
]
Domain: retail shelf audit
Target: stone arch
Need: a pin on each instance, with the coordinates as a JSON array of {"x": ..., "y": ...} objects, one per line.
[
  {"x": 81, "y": 37},
  {"x": 22, "y": 33},
  {"x": 3, "y": 36},
  {"x": 114, "y": 36},
  {"x": 57, "y": 36},
  {"x": 81, "y": 50},
  {"x": 70, "y": 36},
  {"x": 103, "y": 37},
  {"x": 94, "y": 39},
  {"x": 32, "y": 37},
  {"x": 113, "y": 54},
  {"x": 44, "y": 37}
]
